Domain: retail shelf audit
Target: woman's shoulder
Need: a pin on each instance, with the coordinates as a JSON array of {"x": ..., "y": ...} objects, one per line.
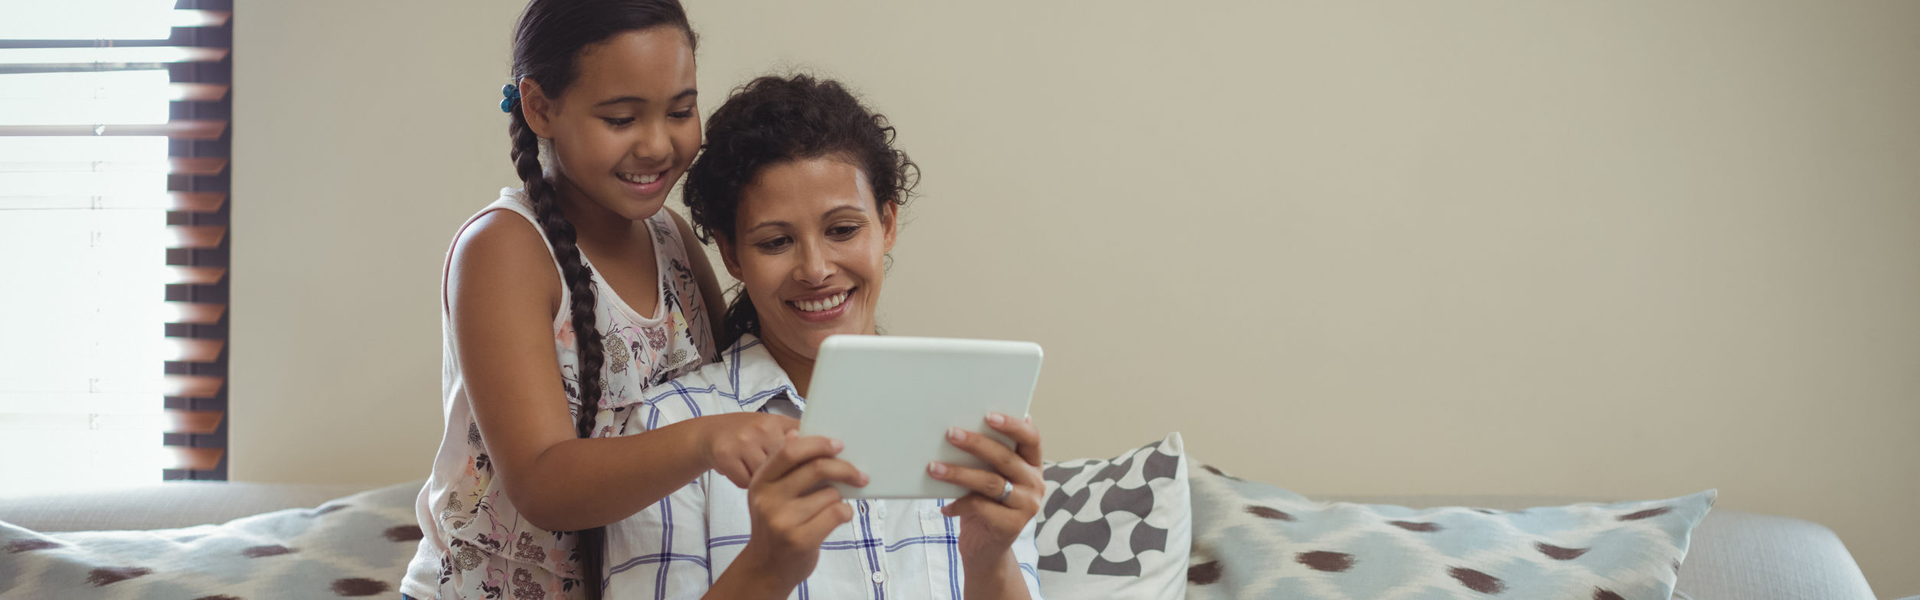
[
  {"x": 693, "y": 394},
  {"x": 719, "y": 386}
]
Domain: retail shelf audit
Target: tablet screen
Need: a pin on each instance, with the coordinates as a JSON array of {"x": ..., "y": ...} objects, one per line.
[{"x": 891, "y": 400}]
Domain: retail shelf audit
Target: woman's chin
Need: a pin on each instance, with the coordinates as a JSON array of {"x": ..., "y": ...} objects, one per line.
[
  {"x": 815, "y": 338},
  {"x": 811, "y": 335}
]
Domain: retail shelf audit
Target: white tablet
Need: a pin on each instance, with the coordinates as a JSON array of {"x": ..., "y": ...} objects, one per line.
[{"x": 891, "y": 400}]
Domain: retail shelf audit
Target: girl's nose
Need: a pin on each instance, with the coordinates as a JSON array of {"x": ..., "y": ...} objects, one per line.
[{"x": 654, "y": 145}]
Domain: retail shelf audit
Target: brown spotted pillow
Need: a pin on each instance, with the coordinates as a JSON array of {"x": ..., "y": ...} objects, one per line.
[
  {"x": 1253, "y": 540},
  {"x": 352, "y": 547}
]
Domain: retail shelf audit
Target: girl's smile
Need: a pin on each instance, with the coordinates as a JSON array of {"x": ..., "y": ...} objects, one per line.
[{"x": 644, "y": 186}]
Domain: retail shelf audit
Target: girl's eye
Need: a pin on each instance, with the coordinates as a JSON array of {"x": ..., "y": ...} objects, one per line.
[
  {"x": 685, "y": 114},
  {"x": 620, "y": 122}
]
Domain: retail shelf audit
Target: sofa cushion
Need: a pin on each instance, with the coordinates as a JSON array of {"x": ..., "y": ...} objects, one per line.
[{"x": 1765, "y": 557}]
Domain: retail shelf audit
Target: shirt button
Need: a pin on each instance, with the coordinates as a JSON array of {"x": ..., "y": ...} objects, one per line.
[{"x": 879, "y": 577}]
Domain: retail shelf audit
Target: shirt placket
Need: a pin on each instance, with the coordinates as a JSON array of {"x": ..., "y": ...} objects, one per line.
[
  {"x": 933, "y": 525},
  {"x": 873, "y": 515}
]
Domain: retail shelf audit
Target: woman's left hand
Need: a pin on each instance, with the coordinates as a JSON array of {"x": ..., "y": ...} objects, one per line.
[{"x": 993, "y": 516}]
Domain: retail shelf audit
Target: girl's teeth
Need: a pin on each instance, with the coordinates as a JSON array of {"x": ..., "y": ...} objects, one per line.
[{"x": 641, "y": 179}]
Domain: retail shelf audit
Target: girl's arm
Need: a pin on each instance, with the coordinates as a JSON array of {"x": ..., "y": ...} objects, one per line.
[
  {"x": 793, "y": 510},
  {"x": 503, "y": 292},
  {"x": 710, "y": 295}
]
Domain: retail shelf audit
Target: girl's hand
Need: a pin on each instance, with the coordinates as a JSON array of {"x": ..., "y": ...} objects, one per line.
[
  {"x": 737, "y": 444},
  {"x": 989, "y": 522},
  {"x": 793, "y": 510}
]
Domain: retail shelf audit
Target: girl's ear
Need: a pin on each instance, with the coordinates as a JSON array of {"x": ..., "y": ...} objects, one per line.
[
  {"x": 536, "y": 107},
  {"x": 727, "y": 254},
  {"x": 890, "y": 223}
]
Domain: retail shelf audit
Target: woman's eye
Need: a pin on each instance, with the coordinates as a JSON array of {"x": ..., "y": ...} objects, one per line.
[
  {"x": 843, "y": 231},
  {"x": 773, "y": 245},
  {"x": 619, "y": 122}
]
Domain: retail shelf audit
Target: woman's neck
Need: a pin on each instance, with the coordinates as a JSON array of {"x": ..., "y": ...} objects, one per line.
[{"x": 799, "y": 368}]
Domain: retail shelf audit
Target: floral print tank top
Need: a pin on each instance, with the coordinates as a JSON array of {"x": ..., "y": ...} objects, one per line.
[{"x": 476, "y": 544}]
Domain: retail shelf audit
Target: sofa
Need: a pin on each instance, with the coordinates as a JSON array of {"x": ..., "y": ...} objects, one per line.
[{"x": 1734, "y": 555}]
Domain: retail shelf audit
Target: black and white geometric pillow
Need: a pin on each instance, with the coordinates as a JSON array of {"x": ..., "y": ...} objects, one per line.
[{"x": 1117, "y": 528}]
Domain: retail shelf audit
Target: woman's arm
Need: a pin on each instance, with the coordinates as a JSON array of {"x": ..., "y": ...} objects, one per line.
[
  {"x": 709, "y": 284},
  {"x": 502, "y": 293},
  {"x": 997, "y": 580}
]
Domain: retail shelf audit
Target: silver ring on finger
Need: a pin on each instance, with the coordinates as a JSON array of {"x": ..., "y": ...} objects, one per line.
[{"x": 1005, "y": 491}]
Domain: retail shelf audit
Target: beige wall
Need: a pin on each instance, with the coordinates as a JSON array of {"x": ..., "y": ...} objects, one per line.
[{"x": 1601, "y": 249}]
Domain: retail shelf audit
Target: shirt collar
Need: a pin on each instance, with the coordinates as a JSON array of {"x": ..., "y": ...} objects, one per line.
[{"x": 755, "y": 377}]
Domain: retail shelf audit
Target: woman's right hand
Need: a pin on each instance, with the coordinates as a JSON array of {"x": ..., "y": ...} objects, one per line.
[
  {"x": 793, "y": 510},
  {"x": 737, "y": 444}
]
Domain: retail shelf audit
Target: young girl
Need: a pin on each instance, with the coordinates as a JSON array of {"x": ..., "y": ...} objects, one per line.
[
  {"x": 562, "y": 302},
  {"x": 800, "y": 188}
]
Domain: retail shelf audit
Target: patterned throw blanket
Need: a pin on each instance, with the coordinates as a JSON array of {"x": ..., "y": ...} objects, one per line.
[
  {"x": 354, "y": 546},
  {"x": 1253, "y": 540}
]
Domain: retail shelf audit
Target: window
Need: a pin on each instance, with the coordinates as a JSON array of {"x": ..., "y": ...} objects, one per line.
[{"x": 113, "y": 146}]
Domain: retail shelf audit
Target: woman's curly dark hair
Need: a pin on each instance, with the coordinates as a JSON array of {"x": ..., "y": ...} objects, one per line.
[{"x": 773, "y": 120}]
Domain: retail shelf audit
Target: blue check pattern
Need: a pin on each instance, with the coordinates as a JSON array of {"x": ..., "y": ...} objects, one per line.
[{"x": 679, "y": 546}]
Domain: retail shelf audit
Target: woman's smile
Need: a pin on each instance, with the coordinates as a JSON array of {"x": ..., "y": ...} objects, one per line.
[{"x": 821, "y": 308}]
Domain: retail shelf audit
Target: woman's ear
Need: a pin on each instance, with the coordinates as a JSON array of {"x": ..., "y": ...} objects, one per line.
[
  {"x": 890, "y": 223},
  {"x": 727, "y": 254},
  {"x": 536, "y": 107}
]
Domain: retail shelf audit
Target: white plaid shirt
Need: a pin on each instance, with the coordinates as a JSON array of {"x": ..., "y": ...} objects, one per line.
[{"x": 679, "y": 546}]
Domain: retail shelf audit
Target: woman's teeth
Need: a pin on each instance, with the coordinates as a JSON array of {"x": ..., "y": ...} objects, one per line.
[
  {"x": 821, "y": 304},
  {"x": 639, "y": 179}
]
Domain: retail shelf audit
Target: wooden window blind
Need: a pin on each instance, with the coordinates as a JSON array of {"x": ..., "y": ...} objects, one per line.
[{"x": 114, "y": 146}]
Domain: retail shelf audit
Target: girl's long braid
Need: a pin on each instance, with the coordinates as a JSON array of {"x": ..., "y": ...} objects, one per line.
[{"x": 578, "y": 278}]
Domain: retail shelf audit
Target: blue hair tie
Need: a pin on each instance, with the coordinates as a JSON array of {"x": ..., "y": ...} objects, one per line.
[{"x": 511, "y": 93}]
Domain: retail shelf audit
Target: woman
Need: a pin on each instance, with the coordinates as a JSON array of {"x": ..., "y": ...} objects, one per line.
[{"x": 800, "y": 189}]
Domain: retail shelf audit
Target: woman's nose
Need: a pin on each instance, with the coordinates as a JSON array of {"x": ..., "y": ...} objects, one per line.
[{"x": 814, "y": 268}]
